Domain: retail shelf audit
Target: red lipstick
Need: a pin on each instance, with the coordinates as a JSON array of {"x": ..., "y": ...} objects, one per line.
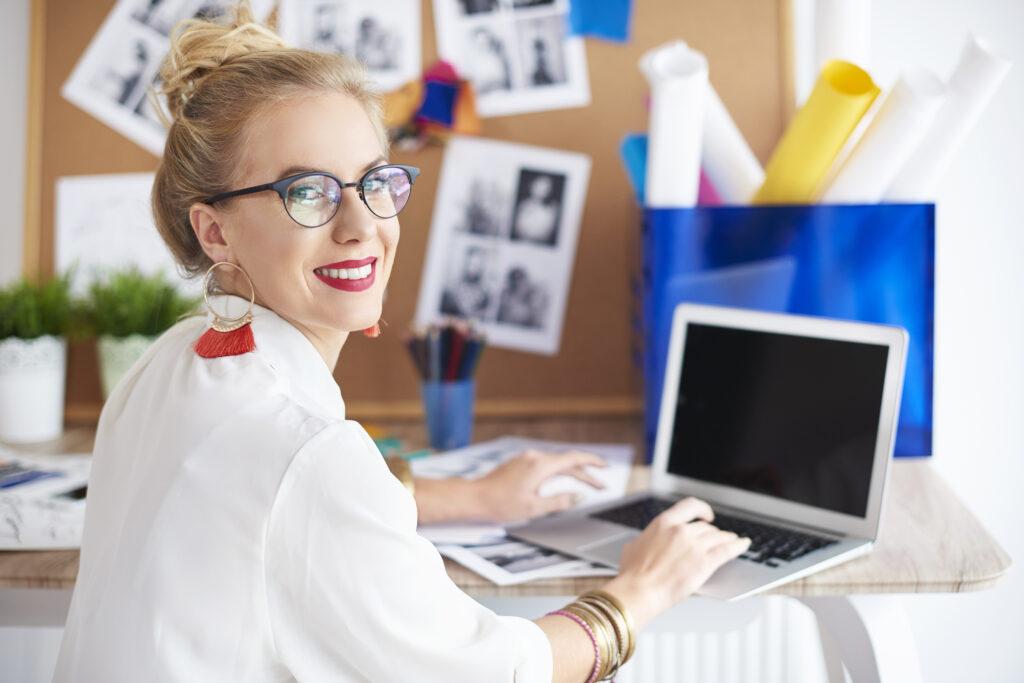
[{"x": 348, "y": 284}]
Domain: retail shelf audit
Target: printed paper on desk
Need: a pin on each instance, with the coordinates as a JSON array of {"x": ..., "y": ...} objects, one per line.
[
  {"x": 512, "y": 562},
  {"x": 45, "y": 512},
  {"x": 479, "y": 459}
]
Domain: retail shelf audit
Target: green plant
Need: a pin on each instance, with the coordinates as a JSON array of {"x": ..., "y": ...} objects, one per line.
[
  {"x": 29, "y": 310},
  {"x": 129, "y": 302}
]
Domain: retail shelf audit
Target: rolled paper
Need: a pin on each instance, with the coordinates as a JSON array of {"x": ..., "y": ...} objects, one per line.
[
  {"x": 678, "y": 77},
  {"x": 977, "y": 76},
  {"x": 734, "y": 172},
  {"x": 816, "y": 134},
  {"x": 842, "y": 30},
  {"x": 892, "y": 135},
  {"x": 731, "y": 166}
]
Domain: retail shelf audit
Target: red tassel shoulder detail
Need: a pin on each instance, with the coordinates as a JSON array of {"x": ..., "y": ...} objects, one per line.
[{"x": 215, "y": 344}]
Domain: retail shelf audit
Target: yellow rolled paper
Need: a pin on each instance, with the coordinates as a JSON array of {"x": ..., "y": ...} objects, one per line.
[{"x": 816, "y": 134}]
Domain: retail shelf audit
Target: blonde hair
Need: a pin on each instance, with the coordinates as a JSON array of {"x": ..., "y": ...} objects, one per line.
[{"x": 217, "y": 78}]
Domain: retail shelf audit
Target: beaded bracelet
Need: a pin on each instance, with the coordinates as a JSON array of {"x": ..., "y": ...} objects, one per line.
[{"x": 593, "y": 641}]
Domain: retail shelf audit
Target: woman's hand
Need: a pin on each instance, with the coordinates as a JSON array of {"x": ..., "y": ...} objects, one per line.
[
  {"x": 673, "y": 557},
  {"x": 509, "y": 492}
]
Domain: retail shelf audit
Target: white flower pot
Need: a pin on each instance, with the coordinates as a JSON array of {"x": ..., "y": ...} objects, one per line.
[
  {"x": 32, "y": 388},
  {"x": 117, "y": 356}
]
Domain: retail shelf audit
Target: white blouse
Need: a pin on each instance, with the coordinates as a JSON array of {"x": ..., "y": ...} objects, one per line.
[{"x": 239, "y": 528}]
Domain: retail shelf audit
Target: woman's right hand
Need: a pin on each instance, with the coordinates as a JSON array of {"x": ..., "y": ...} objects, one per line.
[{"x": 673, "y": 557}]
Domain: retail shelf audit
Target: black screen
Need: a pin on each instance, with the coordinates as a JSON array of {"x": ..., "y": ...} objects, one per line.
[{"x": 788, "y": 416}]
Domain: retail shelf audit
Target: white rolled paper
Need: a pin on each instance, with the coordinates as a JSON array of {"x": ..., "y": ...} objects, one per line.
[
  {"x": 678, "y": 77},
  {"x": 975, "y": 80},
  {"x": 727, "y": 159},
  {"x": 842, "y": 30},
  {"x": 892, "y": 135}
]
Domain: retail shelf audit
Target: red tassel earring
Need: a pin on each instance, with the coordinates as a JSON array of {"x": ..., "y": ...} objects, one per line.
[
  {"x": 374, "y": 331},
  {"x": 226, "y": 336}
]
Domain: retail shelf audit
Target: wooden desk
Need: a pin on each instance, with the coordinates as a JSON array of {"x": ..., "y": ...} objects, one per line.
[{"x": 929, "y": 543}]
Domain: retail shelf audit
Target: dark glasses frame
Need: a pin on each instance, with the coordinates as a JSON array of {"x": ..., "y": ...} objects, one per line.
[{"x": 281, "y": 188}]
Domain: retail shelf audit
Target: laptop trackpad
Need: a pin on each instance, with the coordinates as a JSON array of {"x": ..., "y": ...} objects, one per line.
[{"x": 609, "y": 550}]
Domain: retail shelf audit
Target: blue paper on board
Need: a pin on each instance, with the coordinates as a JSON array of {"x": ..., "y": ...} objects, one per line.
[
  {"x": 873, "y": 263},
  {"x": 439, "y": 103},
  {"x": 608, "y": 19},
  {"x": 633, "y": 151}
]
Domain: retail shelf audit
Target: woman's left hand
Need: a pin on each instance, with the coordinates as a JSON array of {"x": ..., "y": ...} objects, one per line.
[{"x": 509, "y": 492}]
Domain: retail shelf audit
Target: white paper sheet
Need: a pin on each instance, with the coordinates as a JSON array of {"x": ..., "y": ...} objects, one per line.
[
  {"x": 891, "y": 136},
  {"x": 384, "y": 36},
  {"x": 112, "y": 78},
  {"x": 37, "y": 515},
  {"x": 503, "y": 241},
  {"x": 104, "y": 222},
  {"x": 479, "y": 459},
  {"x": 678, "y": 77},
  {"x": 974, "y": 82},
  {"x": 512, "y": 562},
  {"x": 518, "y": 55}
]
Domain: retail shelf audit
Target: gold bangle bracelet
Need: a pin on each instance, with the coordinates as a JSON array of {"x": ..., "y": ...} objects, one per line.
[
  {"x": 630, "y": 624},
  {"x": 627, "y": 638},
  {"x": 399, "y": 467},
  {"x": 601, "y": 630},
  {"x": 616, "y": 620}
]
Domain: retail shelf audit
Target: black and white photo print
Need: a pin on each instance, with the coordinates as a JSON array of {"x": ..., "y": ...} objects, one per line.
[
  {"x": 517, "y": 54},
  {"x": 384, "y": 36},
  {"x": 503, "y": 240},
  {"x": 538, "y": 207},
  {"x": 114, "y": 78}
]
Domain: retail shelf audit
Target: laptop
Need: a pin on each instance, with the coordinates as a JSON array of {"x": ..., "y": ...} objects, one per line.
[{"x": 784, "y": 424}]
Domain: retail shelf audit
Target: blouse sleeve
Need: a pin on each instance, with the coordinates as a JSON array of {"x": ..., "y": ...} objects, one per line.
[{"x": 354, "y": 593}]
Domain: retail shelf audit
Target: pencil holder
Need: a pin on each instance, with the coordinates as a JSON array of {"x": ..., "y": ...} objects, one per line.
[
  {"x": 448, "y": 407},
  {"x": 870, "y": 262}
]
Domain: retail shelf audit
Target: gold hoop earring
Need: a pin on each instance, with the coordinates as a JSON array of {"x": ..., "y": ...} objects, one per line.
[{"x": 226, "y": 336}]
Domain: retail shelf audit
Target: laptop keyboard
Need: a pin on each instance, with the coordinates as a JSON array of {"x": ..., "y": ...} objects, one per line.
[{"x": 768, "y": 544}]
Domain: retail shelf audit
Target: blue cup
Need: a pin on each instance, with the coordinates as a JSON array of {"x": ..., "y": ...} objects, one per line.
[{"x": 449, "y": 412}]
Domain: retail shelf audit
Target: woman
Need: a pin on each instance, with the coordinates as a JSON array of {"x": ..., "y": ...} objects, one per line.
[{"x": 239, "y": 528}]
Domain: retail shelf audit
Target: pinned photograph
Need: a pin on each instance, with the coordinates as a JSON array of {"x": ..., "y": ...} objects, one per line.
[
  {"x": 518, "y": 54},
  {"x": 538, "y": 207},
  {"x": 104, "y": 223},
  {"x": 114, "y": 78},
  {"x": 503, "y": 240},
  {"x": 384, "y": 36}
]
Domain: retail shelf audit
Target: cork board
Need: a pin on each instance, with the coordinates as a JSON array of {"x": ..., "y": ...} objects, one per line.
[{"x": 594, "y": 372}]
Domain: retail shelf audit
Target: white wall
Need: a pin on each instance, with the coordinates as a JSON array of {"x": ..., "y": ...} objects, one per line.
[
  {"x": 979, "y": 362},
  {"x": 13, "y": 109}
]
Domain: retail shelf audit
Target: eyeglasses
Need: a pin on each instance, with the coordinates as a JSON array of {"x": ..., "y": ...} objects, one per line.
[{"x": 312, "y": 198}]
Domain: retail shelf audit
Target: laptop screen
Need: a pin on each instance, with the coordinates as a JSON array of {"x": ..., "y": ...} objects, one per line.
[{"x": 788, "y": 416}]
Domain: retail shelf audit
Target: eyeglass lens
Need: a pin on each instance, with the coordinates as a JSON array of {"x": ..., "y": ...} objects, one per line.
[{"x": 313, "y": 200}]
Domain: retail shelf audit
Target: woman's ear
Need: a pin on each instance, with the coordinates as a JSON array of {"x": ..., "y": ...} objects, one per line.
[{"x": 206, "y": 224}]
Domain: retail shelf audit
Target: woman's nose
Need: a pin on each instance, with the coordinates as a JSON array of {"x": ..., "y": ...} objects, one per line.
[{"x": 353, "y": 222}]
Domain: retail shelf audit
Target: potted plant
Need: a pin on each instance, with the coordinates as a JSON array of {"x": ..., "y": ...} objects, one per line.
[
  {"x": 127, "y": 310},
  {"x": 34, "y": 322}
]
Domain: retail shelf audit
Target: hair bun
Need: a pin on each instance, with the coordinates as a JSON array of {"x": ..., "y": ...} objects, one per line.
[{"x": 199, "y": 46}]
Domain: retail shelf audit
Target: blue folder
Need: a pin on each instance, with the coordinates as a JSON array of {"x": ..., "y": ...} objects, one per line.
[{"x": 873, "y": 263}]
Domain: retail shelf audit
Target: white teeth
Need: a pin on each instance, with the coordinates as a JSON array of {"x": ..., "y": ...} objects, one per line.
[{"x": 347, "y": 273}]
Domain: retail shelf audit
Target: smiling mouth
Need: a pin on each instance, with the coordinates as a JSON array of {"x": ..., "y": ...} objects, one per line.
[{"x": 350, "y": 276}]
